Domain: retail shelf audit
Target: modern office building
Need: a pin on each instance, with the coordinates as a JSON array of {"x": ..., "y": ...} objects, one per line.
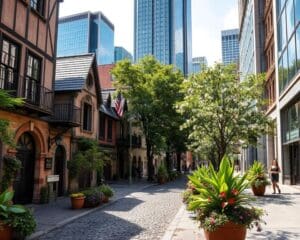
[
  {"x": 280, "y": 61},
  {"x": 230, "y": 46},
  {"x": 198, "y": 64},
  {"x": 251, "y": 59},
  {"x": 163, "y": 29},
  {"x": 86, "y": 33},
  {"x": 121, "y": 53}
]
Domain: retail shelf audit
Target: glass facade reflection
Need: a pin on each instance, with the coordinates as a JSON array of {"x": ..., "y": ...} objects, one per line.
[
  {"x": 163, "y": 29},
  {"x": 121, "y": 53},
  {"x": 86, "y": 33},
  {"x": 247, "y": 42},
  {"x": 198, "y": 64},
  {"x": 288, "y": 34},
  {"x": 230, "y": 46},
  {"x": 291, "y": 123}
]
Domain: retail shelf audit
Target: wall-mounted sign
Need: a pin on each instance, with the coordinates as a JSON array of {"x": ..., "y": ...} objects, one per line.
[
  {"x": 48, "y": 163},
  {"x": 52, "y": 178}
]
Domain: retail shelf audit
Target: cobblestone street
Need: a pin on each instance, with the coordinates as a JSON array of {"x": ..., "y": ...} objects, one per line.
[{"x": 141, "y": 215}]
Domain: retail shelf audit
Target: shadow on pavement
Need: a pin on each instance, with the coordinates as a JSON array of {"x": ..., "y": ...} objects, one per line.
[
  {"x": 84, "y": 229},
  {"x": 277, "y": 199},
  {"x": 125, "y": 204},
  {"x": 278, "y": 235}
]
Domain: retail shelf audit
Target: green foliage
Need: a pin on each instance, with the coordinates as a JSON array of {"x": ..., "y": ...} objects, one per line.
[
  {"x": 221, "y": 111},
  {"x": 92, "y": 197},
  {"x": 44, "y": 194},
  {"x": 6, "y": 206},
  {"x": 88, "y": 158},
  {"x": 6, "y": 101},
  {"x": 162, "y": 172},
  {"x": 257, "y": 174},
  {"x": 11, "y": 166},
  {"x": 106, "y": 190},
  {"x": 152, "y": 89},
  {"x": 219, "y": 197},
  {"x": 23, "y": 224}
]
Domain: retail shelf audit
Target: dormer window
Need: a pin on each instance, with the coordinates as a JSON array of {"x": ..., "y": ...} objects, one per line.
[{"x": 38, "y": 5}]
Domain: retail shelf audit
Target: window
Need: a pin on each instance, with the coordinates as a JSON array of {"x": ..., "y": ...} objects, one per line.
[
  {"x": 109, "y": 130},
  {"x": 32, "y": 80},
  {"x": 9, "y": 66},
  {"x": 38, "y": 5},
  {"x": 102, "y": 127},
  {"x": 87, "y": 117}
]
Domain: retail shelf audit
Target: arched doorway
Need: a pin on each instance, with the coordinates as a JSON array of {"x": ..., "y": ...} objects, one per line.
[
  {"x": 24, "y": 181},
  {"x": 59, "y": 169}
]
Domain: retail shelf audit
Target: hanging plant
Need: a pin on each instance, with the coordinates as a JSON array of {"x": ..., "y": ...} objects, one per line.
[{"x": 11, "y": 167}]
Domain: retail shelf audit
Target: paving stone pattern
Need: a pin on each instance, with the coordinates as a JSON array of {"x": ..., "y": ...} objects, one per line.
[{"x": 142, "y": 215}]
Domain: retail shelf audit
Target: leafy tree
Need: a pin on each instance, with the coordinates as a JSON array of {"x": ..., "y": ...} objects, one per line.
[
  {"x": 223, "y": 112},
  {"x": 151, "y": 90},
  {"x": 6, "y": 101}
]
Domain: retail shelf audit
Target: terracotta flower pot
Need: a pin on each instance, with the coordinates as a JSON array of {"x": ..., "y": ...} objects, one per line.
[
  {"x": 105, "y": 199},
  {"x": 5, "y": 232},
  {"x": 77, "y": 202},
  {"x": 258, "y": 191},
  {"x": 229, "y": 231}
]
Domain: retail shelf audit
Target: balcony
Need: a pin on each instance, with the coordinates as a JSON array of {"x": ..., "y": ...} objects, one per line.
[
  {"x": 37, "y": 98},
  {"x": 136, "y": 141},
  {"x": 66, "y": 114}
]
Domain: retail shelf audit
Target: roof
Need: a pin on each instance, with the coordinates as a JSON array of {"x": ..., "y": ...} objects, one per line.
[
  {"x": 72, "y": 72},
  {"x": 108, "y": 111}
]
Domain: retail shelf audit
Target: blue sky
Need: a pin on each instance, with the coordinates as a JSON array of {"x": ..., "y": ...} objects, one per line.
[{"x": 209, "y": 17}]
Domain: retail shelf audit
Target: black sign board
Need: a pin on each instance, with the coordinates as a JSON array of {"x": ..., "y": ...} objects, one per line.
[{"x": 48, "y": 163}]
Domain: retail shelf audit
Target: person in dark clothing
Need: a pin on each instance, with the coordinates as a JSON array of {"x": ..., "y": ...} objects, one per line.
[{"x": 275, "y": 170}]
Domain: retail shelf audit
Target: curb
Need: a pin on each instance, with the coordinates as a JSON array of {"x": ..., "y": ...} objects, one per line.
[
  {"x": 174, "y": 224},
  {"x": 38, "y": 234}
]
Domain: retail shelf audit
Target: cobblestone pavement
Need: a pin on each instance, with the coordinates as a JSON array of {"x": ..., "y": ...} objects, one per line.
[{"x": 141, "y": 215}]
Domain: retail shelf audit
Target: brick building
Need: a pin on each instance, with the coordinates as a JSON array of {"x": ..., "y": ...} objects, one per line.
[{"x": 28, "y": 51}]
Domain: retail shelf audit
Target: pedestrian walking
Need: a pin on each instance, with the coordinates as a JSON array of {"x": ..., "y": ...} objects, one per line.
[{"x": 274, "y": 171}]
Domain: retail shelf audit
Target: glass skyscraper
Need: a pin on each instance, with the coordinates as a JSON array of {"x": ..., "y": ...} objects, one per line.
[
  {"x": 163, "y": 29},
  {"x": 230, "y": 46},
  {"x": 121, "y": 53},
  {"x": 199, "y": 63},
  {"x": 86, "y": 33}
]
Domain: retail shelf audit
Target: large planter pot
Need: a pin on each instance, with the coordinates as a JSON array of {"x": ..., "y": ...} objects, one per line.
[
  {"x": 229, "y": 231},
  {"x": 258, "y": 191},
  {"x": 105, "y": 199},
  {"x": 77, "y": 202},
  {"x": 5, "y": 232},
  {"x": 161, "y": 180}
]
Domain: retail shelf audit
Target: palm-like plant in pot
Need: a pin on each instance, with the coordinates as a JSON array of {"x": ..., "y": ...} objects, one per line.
[
  {"x": 258, "y": 178},
  {"x": 221, "y": 206}
]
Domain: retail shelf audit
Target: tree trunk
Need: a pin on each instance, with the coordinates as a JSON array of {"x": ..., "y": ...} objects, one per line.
[
  {"x": 168, "y": 160},
  {"x": 150, "y": 161},
  {"x": 178, "y": 160}
]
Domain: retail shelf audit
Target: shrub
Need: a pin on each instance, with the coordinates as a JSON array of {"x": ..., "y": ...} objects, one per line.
[
  {"x": 10, "y": 169},
  {"x": 44, "y": 194},
  {"x": 106, "y": 190},
  {"x": 257, "y": 175},
  {"x": 92, "y": 198}
]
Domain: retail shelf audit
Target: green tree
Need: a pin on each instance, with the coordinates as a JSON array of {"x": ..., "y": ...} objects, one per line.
[
  {"x": 151, "y": 89},
  {"x": 6, "y": 101},
  {"x": 223, "y": 112}
]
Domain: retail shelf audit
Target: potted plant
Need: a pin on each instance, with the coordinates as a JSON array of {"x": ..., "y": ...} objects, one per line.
[
  {"x": 23, "y": 224},
  {"x": 7, "y": 209},
  {"x": 92, "y": 198},
  {"x": 220, "y": 205},
  {"x": 107, "y": 192},
  {"x": 162, "y": 174},
  {"x": 258, "y": 178},
  {"x": 77, "y": 200}
]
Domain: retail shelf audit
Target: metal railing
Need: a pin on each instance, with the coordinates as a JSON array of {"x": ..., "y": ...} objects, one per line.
[{"x": 66, "y": 113}]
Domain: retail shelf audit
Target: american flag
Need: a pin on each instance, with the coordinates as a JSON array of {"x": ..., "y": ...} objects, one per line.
[{"x": 119, "y": 105}]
